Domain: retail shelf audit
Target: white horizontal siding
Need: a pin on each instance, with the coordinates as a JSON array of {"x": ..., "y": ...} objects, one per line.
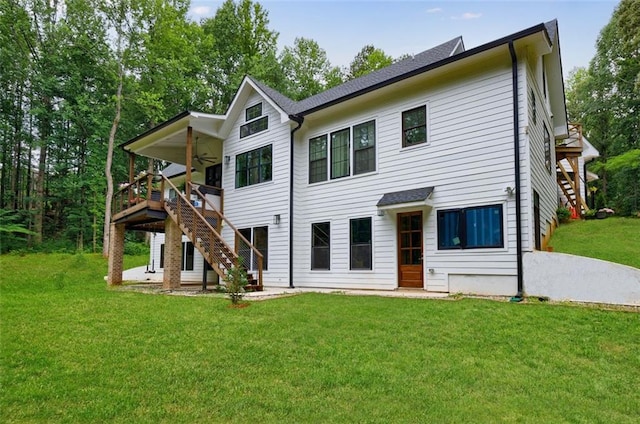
[
  {"x": 255, "y": 205},
  {"x": 542, "y": 181},
  {"x": 468, "y": 159}
]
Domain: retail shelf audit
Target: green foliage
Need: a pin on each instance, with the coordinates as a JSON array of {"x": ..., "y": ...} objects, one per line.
[
  {"x": 75, "y": 351},
  {"x": 307, "y": 69},
  {"x": 613, "y": 239},
  {"x": 563, "y": 214},
  {"x": 369, "y": 59},
  {"x": 605, "y": 98},
  {"x": 235, "y": 282}
]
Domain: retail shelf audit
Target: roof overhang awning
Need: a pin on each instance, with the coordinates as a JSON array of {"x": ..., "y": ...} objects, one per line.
[
  {"x": 406, "y": 199},
  {"x": 167, "y": 141}
]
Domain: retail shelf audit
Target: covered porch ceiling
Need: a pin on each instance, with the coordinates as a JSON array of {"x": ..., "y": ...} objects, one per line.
[{"x": 168, "y": 141}]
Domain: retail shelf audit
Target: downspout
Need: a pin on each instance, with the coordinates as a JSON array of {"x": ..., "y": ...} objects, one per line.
[
  {"x": 516, "y": 145},
  {"x": 299, "y": 120}
]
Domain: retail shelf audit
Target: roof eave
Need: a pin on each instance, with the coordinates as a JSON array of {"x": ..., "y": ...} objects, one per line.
[{"x": 451, "y": 59}]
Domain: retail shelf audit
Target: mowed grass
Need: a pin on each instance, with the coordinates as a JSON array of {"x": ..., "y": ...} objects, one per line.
[
  {"x": 74, "y": 351},
  {"x": 613, "y": 239}
]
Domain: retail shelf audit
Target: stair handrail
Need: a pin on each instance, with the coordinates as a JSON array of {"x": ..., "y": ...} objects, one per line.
[
  {"x": 196, "y": 213},
  {"x": 237, "y": 233}
]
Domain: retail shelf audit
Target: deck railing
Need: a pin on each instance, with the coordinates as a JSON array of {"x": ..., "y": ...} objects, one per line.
[
  {"x": 133, "y": 193},
  {"x": 208, "y": 209}
]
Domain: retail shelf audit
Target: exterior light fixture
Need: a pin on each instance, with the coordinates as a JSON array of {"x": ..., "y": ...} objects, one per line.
[
  {"x": 227, "y": 159},
  {"x": 276, "y": 219}
]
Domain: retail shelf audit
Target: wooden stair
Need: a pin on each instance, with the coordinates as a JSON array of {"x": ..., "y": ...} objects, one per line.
[{"x": 202, "y": 225}]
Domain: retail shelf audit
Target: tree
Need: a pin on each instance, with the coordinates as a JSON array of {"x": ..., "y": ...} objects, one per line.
[
  {"x": 239, "y": 43},
  {"x": 307, "y": 69},
  {"x": 369, "y": 59},
  {"x": 606, "y": 99}
]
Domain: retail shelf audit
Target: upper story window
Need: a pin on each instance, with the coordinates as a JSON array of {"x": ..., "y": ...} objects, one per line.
[
  {"x": 364, "y": 147},
  {"x": 254, "y": 167},
  {"x": 340, "y": 161},
  {"x": 255, "y": 121},
  {"x": 331, "y": 155},
  {"x": 470, "y": 228},
  {"x": 547, "y": 148},
  {"x": 318, "y": 159},
  {"x": 414, "y": 126}
]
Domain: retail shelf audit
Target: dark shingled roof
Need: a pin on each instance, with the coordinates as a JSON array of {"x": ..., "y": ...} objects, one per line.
[
  {"x": 380, "y": 76},
  {"x": 405, "y": 196},
  {"x": 424, "y": 61},
  {"x": 361, "y": 84}
]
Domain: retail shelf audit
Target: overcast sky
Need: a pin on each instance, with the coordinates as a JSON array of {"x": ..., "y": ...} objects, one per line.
[{"x": 342, "y": 28}]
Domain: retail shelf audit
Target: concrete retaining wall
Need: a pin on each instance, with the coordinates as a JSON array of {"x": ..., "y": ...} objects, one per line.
[{"x": 559, "y": 276}]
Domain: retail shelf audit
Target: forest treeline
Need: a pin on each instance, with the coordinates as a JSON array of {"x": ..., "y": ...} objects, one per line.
[{"x": 78, "y": 77}]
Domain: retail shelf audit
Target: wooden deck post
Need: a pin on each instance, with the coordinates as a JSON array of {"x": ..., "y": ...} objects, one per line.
[
  {"x": 132, "y": 168},
  {"x": 172, "y": 255},
  {"x": 116, "y": 254},
  {"x": 189, "y": 156}
]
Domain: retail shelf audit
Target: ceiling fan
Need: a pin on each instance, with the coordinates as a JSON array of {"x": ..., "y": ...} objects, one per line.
[{"x": 203, "y": 158}]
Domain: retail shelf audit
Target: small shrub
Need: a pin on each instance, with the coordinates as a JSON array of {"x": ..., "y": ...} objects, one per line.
[
  {"x": 235, "y": 282},
  {"x": 563, "y": 214}
]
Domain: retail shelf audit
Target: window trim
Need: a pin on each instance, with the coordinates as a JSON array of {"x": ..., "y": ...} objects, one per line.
[
  {"x": 252, "y": 239},
  {"x": 462, "y": 228},
  {"x": 313, "y": 247},
  {"x": 427, "y": 127},
  {"x": 370, "y": 244},
  {"x": 250, "y": 123},
  {"x": 259, "y": 166},
  {"x": 351, "y": 152}
]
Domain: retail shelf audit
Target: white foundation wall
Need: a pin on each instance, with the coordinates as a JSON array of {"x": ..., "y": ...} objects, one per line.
[{"x": 560, "y": 276}]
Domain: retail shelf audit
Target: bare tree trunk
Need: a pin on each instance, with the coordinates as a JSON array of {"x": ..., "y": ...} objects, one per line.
[{"x": 107, "y": 169}]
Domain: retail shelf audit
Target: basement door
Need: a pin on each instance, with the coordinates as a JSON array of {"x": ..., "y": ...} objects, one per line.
[{"x": 410, "y": 272}]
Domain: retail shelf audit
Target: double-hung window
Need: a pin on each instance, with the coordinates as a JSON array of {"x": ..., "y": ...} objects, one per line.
[
  {"x": 471, "y": 228},
  {"x": 364, "y": 147},
  {"x": 340, "y": 160},
  {"x": 414, "y": 126},
  {"x": 320, "y": 245},
  {"x": 254, "y": 167},
  {"x": 318, "y": 159},
  {"x": 349, "y": 151},
  {"x": 186, "y": 256},
  {"x": 360, "y": 241},
  {"x": 255, "y": 122}
]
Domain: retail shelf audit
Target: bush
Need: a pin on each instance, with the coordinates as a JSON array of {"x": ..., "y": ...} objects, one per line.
[
  {"x": 134, "y": 248},
  {"x": 563, "y": 214},
  {"x": 235, "y": 281}
]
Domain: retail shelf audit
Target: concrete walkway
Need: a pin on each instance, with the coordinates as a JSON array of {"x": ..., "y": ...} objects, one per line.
[{"x": 152, "y": 282}]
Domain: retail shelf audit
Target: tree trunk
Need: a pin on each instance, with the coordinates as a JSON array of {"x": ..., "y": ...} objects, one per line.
[{"x": 107, "y": 169}]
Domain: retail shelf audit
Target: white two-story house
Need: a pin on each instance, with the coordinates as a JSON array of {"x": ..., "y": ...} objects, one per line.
[{"x": 437, "y": 172}]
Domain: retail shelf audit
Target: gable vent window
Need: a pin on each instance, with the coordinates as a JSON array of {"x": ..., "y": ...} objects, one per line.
[{"x": 255, "y": 121}]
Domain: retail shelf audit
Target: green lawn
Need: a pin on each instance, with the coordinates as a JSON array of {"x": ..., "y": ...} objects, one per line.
[
  {"x": 611, "y": 239},
  {"x": 74, "y": 351}
]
